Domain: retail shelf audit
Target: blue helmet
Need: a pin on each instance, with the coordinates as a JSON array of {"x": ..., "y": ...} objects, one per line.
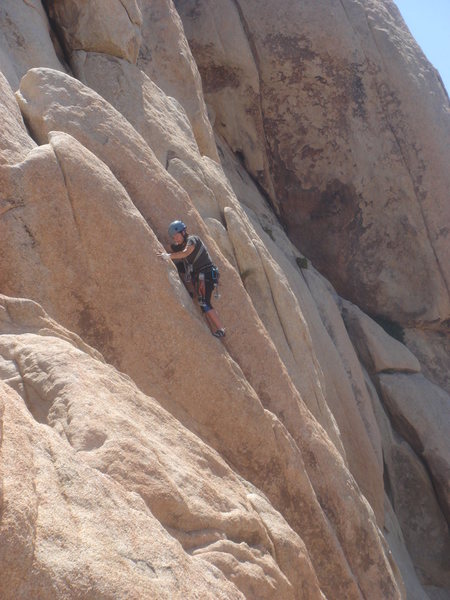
[{"x": 176, "y": 227}]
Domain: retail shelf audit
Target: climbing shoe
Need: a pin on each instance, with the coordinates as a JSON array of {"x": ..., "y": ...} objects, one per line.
[{"x": 219, "y": 333}]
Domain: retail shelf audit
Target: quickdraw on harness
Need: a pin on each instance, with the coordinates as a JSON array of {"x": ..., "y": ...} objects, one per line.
[{"x": 215, "y": 278}]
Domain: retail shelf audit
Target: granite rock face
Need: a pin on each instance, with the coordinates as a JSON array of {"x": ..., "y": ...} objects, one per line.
[
  {"x": 140, "y": 457},
  {"x": 103, "y": 461},
  {"x": 253, "y": 441},
  {"x": 26, "y": 40},
  {"x": 340, "y": 118}
]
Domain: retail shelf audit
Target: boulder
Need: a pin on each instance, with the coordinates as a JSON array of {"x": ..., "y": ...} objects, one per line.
[
  {"x": 166, "y": 58},
  {"x": 38, "y": 85},
  {"x": 420, "y": 411},
  {"x": 432, "y": 348},
  {"x": 377, "y": 350},
  {"x": 104, "y": 290},
  {"x": 347, "y": 130},
  {"x": 112, "y": 27},
  {"x": 155, "y": 193}
]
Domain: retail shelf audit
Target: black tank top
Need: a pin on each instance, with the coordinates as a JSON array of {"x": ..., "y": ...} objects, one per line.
[{"x": 199, "y": 258}]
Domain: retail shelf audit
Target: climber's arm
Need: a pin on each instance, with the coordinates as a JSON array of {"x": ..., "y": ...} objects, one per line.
[{"x": 178, "y": 255}]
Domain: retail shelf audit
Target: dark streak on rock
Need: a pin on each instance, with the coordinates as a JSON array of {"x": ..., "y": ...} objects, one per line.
[{"x": 218, "y": 77}]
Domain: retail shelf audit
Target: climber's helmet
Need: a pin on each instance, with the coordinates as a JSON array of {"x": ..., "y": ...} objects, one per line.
[{"x": 177, "y": 227}]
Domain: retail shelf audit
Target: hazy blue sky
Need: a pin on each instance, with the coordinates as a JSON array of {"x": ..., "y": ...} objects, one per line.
[{"x": 429, "y": 22}]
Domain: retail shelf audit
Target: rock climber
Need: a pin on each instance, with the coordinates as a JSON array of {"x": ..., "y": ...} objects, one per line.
[{"x": 195, "y": 266}]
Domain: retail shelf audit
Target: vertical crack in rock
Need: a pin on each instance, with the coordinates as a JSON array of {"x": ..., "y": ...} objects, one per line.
[
  {"x": 56, "y": 37},
  {"x": 69, "y": 198},
  {"x": 254, "y": 51}
]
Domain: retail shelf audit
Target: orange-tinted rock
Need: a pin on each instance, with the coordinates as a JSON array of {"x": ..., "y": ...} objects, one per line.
[
  {"x": 251, "y": 442},
  {"x": 105, "y": 423}
]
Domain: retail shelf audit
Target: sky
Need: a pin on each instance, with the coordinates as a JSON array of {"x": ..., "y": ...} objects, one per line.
[{"x": 429, "y": 22}]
